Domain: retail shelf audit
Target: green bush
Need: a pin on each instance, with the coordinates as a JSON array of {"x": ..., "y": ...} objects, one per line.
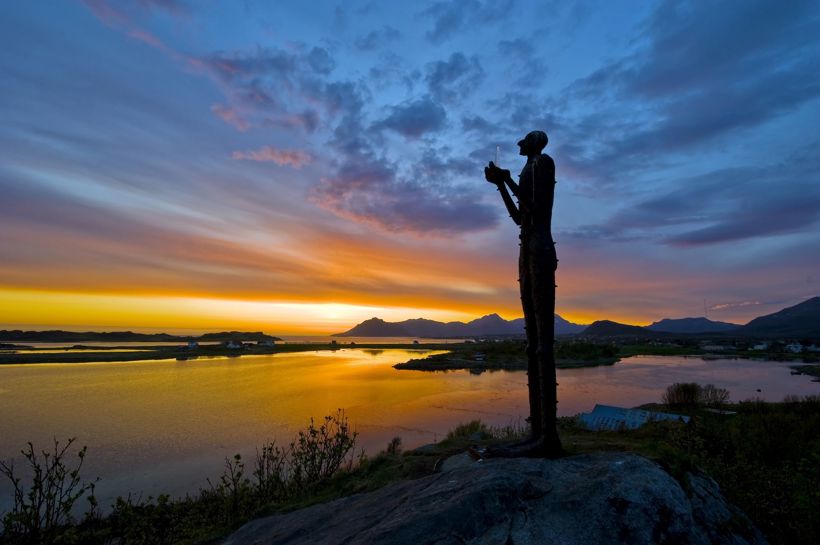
[
  {"x": 712, "y": 396},
  {"x": 689, "y": 395},
  {"x": 320, "y": 452},
  {"x": 42, "y": 511},
  {"x": 766, "y": 459},
  {"x": 683, "y": 395}
]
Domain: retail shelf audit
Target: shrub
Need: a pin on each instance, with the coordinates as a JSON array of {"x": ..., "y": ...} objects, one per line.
[
  {"x": 683, "y": 395},
  {"x": 270, "y": 472},
  {"x": 712, "y": 396},
  {"x": 394, "y": 446},
  {"x": 233, "y": 488},
  {"x": 320, "y": 452},
  {"x": 42, "y": 511}
]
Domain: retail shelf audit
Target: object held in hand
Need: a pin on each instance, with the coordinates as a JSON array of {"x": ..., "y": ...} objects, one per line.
[{"x": 494, "y": 174}]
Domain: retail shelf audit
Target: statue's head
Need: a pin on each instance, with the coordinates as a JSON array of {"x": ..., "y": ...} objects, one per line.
[{"x": 533, "y": 143}]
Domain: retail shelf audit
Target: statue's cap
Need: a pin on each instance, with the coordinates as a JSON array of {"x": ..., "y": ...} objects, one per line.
[{"x": 539, "y": 138}]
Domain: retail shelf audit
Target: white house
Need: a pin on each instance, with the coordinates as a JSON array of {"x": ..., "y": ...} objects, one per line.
[{"x": 794, "y": 348}]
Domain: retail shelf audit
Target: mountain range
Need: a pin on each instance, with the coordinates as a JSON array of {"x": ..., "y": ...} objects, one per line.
[
  {"x": 801, "y": 320},
  {"x": 491, "y": 324}
]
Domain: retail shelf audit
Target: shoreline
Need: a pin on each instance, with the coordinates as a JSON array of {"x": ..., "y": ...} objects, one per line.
[
  {"x": 469, "y": 356},
  {"x": 110, "y": 354}
]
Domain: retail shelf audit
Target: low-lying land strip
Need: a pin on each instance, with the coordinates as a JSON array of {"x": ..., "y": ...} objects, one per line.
[
  {"x": 472, "y": 356},
  {"x": 81, "y": 354},
  {"x": 511, "y": 355}
]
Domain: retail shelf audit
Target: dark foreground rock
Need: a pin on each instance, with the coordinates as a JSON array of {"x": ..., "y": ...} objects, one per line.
[{"x": 606, "y": 498}]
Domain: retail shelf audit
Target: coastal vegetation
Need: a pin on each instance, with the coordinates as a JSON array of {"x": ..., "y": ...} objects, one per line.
[
  {"x": 481, "y": 356},
  {"x": 511, "y": 355},
  {"x": 44, "y": 510},
  {"x": 689, "y": 395},
  {"x": 765, "y": 457}
]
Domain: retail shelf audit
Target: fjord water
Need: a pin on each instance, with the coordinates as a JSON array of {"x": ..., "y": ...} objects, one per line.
[{"x": 164, "y": 426}]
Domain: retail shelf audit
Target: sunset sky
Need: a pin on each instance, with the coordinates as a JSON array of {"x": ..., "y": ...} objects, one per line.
[{"x": 297, "y": 167}]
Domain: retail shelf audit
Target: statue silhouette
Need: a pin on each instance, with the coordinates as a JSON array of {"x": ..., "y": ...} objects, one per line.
[{"x": 536, "y": 268}]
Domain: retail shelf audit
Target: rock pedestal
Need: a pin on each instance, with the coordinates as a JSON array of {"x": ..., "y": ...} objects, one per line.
[{"x": 604, "y": 498}]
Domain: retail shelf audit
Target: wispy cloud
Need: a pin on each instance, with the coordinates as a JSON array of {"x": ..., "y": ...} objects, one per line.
[
  {"x": 739, "y": 304},
  {"x": 231, "y": 116},
  {"x": 282, "y": 157}
]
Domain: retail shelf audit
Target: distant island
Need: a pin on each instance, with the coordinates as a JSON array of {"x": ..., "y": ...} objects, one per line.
[
  {"x": 60, "y": 336},
  {"x": 510, "y": 355}
]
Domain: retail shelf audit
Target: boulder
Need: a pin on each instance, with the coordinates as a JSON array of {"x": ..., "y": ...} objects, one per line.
[{"x": 603, "y": 498}]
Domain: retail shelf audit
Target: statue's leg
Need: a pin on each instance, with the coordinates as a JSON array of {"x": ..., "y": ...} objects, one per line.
[
  {"x": 543, "y": 263},
  {"x": 534, "y": 446},
  {"x": 533, "y": 375}
]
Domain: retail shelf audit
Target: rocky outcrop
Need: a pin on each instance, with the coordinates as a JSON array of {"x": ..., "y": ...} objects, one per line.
[{"x": 606, "y": 498}]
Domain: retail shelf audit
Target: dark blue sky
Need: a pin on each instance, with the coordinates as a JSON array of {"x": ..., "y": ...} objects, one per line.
[{"x": 329, "y": 152}]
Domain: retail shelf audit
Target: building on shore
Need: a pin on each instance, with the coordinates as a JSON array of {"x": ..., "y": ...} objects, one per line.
[{"x": 607, "y": 417}]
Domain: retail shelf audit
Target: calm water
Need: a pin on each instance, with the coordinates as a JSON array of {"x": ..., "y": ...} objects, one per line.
[{"x": 164, "y": 426}]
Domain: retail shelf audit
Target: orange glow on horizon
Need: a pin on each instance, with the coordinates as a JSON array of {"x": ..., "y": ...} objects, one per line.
[
  {"x": 32, "y": 309},
  {"x": 27, "y": 309}
]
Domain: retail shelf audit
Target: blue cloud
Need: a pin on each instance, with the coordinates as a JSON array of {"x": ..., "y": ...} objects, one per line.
[{"x": 415, "y": 119}]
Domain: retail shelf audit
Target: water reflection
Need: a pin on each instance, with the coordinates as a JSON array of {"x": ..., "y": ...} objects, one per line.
[{"x": 163, "y": 426}]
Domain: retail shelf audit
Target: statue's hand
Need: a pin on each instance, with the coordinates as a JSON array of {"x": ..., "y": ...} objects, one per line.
[{"x": 496, "y": 175}]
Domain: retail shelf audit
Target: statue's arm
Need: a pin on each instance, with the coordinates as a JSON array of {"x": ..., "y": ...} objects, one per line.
[
  {"x": 523, "y": 200},
  {"x": 500, "y": 178},
  {"x": 515, "y": 213}
]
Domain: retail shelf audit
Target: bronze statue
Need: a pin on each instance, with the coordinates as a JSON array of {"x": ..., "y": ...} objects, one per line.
[{"x": 536, "y": 268}]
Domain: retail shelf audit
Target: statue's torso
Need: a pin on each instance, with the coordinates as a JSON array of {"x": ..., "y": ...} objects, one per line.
[{"x": 537, "y": 184}]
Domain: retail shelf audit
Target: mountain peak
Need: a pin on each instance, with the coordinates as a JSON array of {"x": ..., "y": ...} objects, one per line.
[
  {"x": 691, "y": 325},
  {"x": 800, "y": 320},
  {"x": 608, "y": 328}
]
